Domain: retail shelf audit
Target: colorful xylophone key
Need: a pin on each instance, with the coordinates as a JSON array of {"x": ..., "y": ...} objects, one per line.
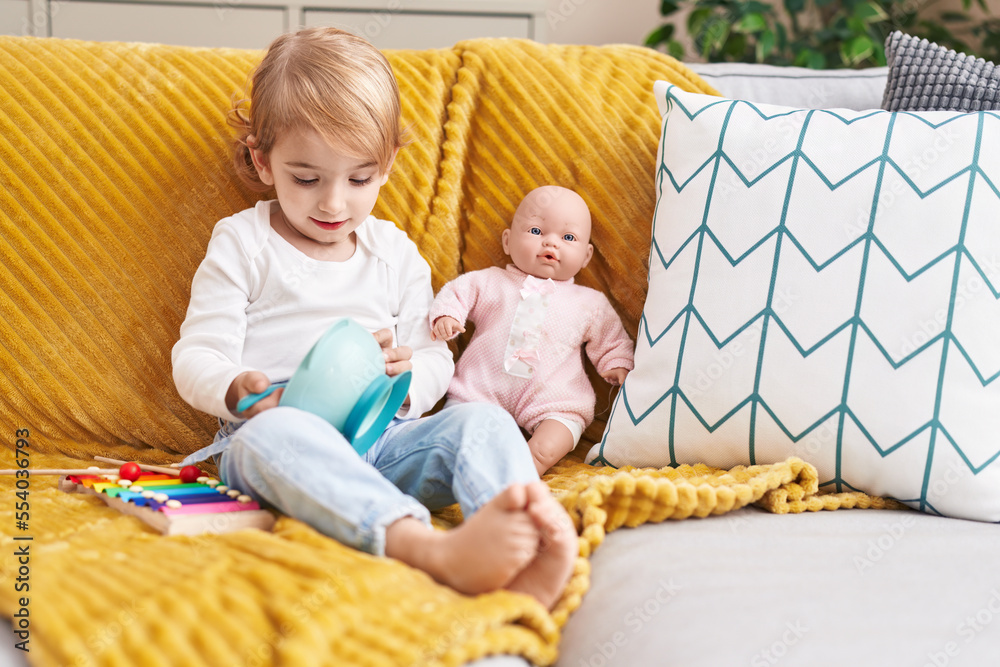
[{"x": 174, "y": 507}]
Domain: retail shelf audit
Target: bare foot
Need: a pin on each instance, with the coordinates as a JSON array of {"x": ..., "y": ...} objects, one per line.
[
  {"x": 482, "y": 554},
  {"x": 547, "y": 575}
]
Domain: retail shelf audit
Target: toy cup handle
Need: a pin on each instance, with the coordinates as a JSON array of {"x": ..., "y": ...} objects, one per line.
[{"x": 250, "y": 400}]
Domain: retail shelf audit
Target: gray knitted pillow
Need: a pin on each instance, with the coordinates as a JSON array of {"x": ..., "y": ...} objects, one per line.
[{"x": 924, "y": 76}]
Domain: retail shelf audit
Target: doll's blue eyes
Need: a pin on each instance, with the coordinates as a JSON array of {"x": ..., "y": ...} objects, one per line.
[{"x": 538, "y": 232}]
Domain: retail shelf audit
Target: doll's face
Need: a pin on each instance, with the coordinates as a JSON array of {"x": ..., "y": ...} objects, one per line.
[{"x": 549, "y": 236}]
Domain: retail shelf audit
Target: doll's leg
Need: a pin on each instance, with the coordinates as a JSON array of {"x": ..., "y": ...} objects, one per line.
[
  {"x": 301, "y": 465},
  {"x": 551, "y": 440}
]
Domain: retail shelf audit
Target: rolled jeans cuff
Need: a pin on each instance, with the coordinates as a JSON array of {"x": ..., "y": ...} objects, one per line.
[{"x": 373, "y": 527}]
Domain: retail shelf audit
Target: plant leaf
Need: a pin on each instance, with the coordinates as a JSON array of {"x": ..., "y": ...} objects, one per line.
[
  {"x": 782, "y": 33},
  {"x": 660, "y": 35},
  {"x": 696, "y": 21},
  {"x": 869, "y": 12},
  {"x": 675, "y": 49},
  {"x": 667, "y": 7},
  {"x": 805, "y": 56},
  {"x": 755, "y": 7},
  {"x": 879, "y": 56},
  {"x": 717, "y": 33},
  {"x": 765, "y": 44},
  {"x": 751, "y": 23},
  {"x": 857, "y": 49},
  {"x": 855, "y": 26}
]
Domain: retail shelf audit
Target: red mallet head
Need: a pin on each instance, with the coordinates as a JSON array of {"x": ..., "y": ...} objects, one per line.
[
  {"x": 190, "y": 474},
  {"x": 130, "y": 471}
]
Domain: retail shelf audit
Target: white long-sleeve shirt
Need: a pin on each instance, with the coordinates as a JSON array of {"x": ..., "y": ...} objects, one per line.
[{"x": 258, "y": 303}]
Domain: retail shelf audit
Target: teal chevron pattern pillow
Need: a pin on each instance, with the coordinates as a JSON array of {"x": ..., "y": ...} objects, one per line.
[{"x": 823, "y": 284}]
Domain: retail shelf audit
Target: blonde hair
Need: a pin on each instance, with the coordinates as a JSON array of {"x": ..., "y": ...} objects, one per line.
[{"x": 325, "y": 79}]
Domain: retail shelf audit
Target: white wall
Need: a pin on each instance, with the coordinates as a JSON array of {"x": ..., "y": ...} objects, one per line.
[
  {"x": 173, "y": 21},
  {"x": 601, "y": 21}
]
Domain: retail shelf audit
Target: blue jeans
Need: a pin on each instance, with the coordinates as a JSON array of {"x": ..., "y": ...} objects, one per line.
[{"x": 302, "y": 466}]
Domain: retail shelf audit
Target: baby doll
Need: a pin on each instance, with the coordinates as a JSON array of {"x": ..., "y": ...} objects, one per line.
[{"x": 531, "y": 323}]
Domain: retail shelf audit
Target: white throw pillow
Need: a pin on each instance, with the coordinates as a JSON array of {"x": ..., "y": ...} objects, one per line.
[{"x": 823, "y": 284}]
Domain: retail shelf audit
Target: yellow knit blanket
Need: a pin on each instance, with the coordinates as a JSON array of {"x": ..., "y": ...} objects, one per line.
[
  {"x": 105, "y": 589},
  {"x": 114, "y": 160}
]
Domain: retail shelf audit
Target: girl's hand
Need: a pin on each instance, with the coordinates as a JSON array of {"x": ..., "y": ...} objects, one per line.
[
  {"x": 251, "y": 382},
  {"x": 446, "y": 328},
  {"x": 397, "y": 359}
]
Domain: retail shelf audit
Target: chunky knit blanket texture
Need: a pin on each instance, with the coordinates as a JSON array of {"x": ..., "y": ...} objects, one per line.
[{"x": 115, "y": 160}]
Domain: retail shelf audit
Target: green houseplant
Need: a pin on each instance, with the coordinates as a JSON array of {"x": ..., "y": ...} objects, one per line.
[{"x": 818, "y": 33}]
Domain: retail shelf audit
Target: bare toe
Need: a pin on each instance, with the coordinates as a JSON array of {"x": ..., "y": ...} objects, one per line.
[
  {"x": 546, "y": 576},
  {"x": 514, "y": 498}
]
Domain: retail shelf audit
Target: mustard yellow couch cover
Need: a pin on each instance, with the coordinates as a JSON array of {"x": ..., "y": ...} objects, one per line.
[{"x": 114, "y": 160}]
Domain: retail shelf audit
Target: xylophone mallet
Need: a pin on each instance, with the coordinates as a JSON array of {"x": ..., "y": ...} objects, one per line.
[
  {"x": 63, "y": 471},
  {"x": 142, "y": 466},
  {"x": 187, "y": 473}
]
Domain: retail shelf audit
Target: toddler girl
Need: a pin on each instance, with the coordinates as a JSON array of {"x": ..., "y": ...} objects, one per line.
[
  {"x": 531, "y": 323},
  {"x": 322, "y": 128}
]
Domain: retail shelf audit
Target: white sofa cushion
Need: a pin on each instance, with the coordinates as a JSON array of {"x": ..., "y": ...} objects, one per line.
[
  {"x": 797, "y": 86},
  {"x": 864, "y": 588}
]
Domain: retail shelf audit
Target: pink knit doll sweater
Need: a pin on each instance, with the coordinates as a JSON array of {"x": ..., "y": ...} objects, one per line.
[{"x": 525, "y": 353}]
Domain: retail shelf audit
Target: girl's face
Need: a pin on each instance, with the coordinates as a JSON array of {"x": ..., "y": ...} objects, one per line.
[{"x": 323, "y": 195}]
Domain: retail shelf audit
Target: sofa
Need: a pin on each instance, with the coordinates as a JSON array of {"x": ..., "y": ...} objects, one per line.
[{"x": 116, "y": 166}]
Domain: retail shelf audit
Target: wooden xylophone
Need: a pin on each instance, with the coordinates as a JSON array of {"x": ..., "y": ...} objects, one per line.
[{"x": 171, "y": 506}]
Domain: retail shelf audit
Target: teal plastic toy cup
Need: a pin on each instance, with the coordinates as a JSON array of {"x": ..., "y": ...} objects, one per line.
[{"x": 342, "y": 379}]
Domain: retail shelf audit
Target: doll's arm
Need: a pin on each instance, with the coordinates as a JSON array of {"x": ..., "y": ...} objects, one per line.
[
  {"x": 608, "y": 344},
  {"x": 615, "y": 376},
  {"x": 453, "y": 305},
  {"x": 446, "y": 328}
]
